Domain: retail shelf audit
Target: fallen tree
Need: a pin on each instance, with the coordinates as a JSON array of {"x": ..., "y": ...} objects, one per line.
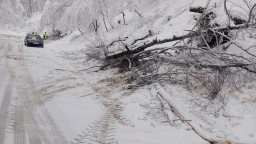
[
  {"x": 241, "y": 24},
  {"x": 218, "y": 30},
  {"x": 190, "y": 64},
  {"x": 209, "y": 68}
]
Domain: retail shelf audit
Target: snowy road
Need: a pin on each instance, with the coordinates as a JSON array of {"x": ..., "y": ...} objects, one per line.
[{"x": 23, "y": 115}]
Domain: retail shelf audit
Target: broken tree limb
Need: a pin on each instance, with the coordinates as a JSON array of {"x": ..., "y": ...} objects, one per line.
[
  {"x": 181, "y": 116},
  {"x": 148, "y": 35},
  {"x": 221, "y": 67},
  {"x": 143, "y": 47},
  {"x": 130, "y": 63},
  {"x": 227, "y": 12},
  {"x": 250, "y": 15},
  {"x": 163, "y": 94},
  {"x": 135, "y": 41},
  {"x": 175, "y": 38},
  {"x": 123, "y": 17},
  {"x": 125, "y": 46},
  {"x": 80, "y": 31},
  {"x": 103, "y": 16},
  {"x": 139, "y": 14},
  {"x": 119, "y": 40},
  {"x": 236, "y": 27},
  {"x": 229, "y": 60},
  {"x": 197, "y": 9}
]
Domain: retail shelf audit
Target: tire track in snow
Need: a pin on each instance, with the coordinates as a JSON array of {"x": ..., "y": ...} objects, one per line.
[
  {"x": 12, "y": 66},
  {"x": 19, "y": 129},
  {"x": 4, "y": 111},
  {"x": 103, "y": 130},
  {"x": 2, "y": 46},
  {"x": 19, "y": 132},
  {"x": 4, "y": 104},
  {"x": 7, "y": 97},
  {"x": 99, "y": 132}
]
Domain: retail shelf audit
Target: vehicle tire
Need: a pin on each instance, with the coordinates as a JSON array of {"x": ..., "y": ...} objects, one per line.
[{"x": 42, "y": 45}]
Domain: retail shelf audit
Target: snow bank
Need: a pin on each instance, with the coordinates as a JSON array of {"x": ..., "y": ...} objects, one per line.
[{"x": 235, "y": 122}]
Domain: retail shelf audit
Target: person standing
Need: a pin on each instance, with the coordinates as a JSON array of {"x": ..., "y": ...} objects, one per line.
[{"x": 45, "y": 35}]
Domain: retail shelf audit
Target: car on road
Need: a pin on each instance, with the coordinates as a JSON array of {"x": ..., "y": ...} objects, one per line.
[{"x": 33, "y": 40}]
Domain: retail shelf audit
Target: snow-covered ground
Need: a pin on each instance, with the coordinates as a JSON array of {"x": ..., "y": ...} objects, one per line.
[
  {"x": 94, "y": 107},
  {"x": 84, "y": 107},
  {"x": 47, "y": 96}
]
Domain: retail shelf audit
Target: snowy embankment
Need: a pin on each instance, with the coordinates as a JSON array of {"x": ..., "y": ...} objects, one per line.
[{"x": 229, "y": 119}]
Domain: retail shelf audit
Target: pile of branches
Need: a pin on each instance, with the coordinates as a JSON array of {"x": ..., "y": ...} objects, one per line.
[{"x": 196, "y": 67}]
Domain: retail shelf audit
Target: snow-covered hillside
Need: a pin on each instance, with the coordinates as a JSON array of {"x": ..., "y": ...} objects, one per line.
[
  {"x": 70, "y": 15},
  {"x": 182, "y": 89}
]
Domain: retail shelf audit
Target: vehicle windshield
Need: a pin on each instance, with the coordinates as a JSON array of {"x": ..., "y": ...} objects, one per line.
[{"x": 34, "y": 37}]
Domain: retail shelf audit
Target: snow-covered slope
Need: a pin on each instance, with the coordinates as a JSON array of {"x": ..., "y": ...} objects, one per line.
[
  {"x": 14, "y": 13},
  {"x": 11, "y": 13},
  {"x": 69, "y": 15}
]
